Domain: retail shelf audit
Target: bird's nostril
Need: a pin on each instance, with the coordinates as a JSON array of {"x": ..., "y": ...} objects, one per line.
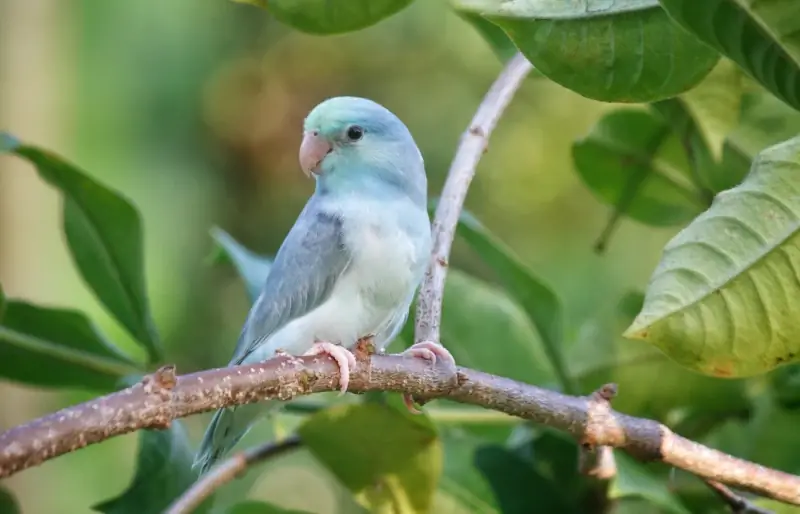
[{"x": 315, "y": 133}]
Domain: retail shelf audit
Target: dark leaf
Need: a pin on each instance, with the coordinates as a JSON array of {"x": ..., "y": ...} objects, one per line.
[
  {"x": 762, "y": 37},
  {"x": 163, "y": 473},
  {"x": 628, "y": 162},
  {"x": 610, "y": 51},
  {"x": 331, "y": 16},
  {"x": 57, "y": 348},
  {"x": 764, "y": 122},
  {"x": 461, "y": 479},
  {"x": 8, "y": 504},
  {"x": 518, "y": 487},
  {"x": 252, "y": 268},
  {"x": 384, "y": 456},
  {"x": 540, "y": 303},
  {"x": 104, "y": 235},
  {"x": 254, "y": 507}
]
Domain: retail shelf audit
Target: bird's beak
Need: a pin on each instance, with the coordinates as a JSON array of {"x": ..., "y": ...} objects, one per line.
[{"x": 313, "y": 149}]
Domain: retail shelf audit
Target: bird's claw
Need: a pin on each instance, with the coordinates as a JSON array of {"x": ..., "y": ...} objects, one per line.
[
  {"x": 429, "y": 351},
  {"x": 343, "y": 357}
]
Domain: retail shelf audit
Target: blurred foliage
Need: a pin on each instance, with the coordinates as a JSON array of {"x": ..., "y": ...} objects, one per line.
[{"x": 193, "y": 110}]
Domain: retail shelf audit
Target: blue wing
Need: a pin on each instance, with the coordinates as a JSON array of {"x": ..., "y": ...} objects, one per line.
[{"x": 309, "y": 262}]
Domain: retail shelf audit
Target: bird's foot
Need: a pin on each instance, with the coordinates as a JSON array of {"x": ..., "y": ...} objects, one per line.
[
  {"x": 343, "y": 357},
  {"x": 429, "y": 351}
]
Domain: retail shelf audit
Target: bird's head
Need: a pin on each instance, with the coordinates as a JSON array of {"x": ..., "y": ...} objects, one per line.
[{"x": 349, "y": 141}]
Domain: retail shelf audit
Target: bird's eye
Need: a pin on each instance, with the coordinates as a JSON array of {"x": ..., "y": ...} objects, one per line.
[{"x": 355, "y": 133}]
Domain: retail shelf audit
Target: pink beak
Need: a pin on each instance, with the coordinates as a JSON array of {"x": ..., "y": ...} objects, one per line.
[{"x": 313, "y": 149}]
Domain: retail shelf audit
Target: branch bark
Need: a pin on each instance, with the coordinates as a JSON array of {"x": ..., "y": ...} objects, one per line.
[
  {"x": 162, "y": 397},
  {"x": 472, "y": 146}
]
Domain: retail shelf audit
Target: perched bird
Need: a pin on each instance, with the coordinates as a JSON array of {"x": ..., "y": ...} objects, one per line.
[{"x": 349, "y": 267}]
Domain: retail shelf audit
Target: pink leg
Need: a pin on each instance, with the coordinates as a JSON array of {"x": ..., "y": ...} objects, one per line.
[
  {"x": 343, "y": 357},
  {"x": 429, "y": 351}
]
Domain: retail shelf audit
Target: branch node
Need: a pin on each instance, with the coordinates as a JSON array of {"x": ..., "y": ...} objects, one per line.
[{"x": 160, "y": 382}]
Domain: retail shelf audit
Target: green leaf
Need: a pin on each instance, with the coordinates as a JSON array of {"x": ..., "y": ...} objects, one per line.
[
  {"x": 633, "y": 479},
  {"x": 762, "y": 37},
  {"x": 709, "y": 175},
  {"x": 629, "y": 161},
  {"x": 499, "y": 42},
  {"x": 388, "y": 459},
  {"x": 333, "y": 16},
  {"x": 540, "y": 303},
  {"x": 715, "y": 104},
  {"x": 57, "y": 348},
  {"x": 600, "y": 356},
  {"x": 518, "y": 487},
  {"x": 475, "y": 312},
  {"x": 8, "y": 504},
  {"x": 254, "y": 507},
  {"x": 723, "y": 299},
  {"x": 461, "y": 479},
  {"x": 163, "y": 473},
  {"x": 627, "y": 51},
  {"x": 765, "y": 121},
  {"x": 252, "y": 268},
  {"x": 257, "y": 3},
  {"x": 104, "y": 235}
]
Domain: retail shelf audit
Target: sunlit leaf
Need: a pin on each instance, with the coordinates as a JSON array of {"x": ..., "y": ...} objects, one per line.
[
  {"x": 474, "y": 314},
  {"x": 8, "y": 504},
  {"x": 624, "y": 51},
  {"x": 762, "y": 37},
  {"x": 331, "y": 16},
  {"x": 389, "y": 460},
  {"x": 724, "y": 298},
  {"x": 538, "y": 301},
  {"x": 633, "y": 479},
  {"x": 252, "y": 268},
  {"x": 104, "y": 235},
  {"x": 599, "y": 356},
  {"x": 57, "y": 348},
  {"x": 163, "y": 473},
  {"x": 629, "y": 161},
  {"x": 255, "y": 507},
  {"x": 518, "y": 486},
  {"x": 715, "y": 104}
]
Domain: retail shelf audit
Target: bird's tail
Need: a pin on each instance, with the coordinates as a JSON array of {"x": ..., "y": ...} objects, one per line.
[{"x": 227, "y": 427}]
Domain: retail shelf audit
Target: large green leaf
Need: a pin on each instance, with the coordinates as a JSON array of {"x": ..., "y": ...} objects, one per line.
[
  {"x": 628, "y": 51},
  {"x": 104, "y": 235},
  {"x": 538, "y": 301},
  {"x": 331, "y": 16},
  {"x": 724, "y": 298},
  {"x": 765, "y": 121},
  {"x": 57, "y": 348},
  {"x": 631, "y": 161},
  {"x": 252, "y": 268},
  {"x": 388, "y": 459},
  {"x": 163, "y": 473},
  {"x": 8, "y": 504},
  {"x": 475, "y": 314},
  {"x": 255, "y": 507},
  {"x": 518, "y": 486},
  {"x": 634, "y": 479},
  {"x": 498, "y": 40},
  {"x": 461, "y": 479},
  {"x": 762, "y": 37},
  {"x": 599, "y": 356}
]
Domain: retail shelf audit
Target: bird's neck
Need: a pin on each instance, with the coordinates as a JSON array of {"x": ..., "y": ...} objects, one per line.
[{"x": 374, "y": 183}]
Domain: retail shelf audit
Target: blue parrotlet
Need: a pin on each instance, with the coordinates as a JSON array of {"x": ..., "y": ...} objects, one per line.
[{"x": 349, "y": 268}]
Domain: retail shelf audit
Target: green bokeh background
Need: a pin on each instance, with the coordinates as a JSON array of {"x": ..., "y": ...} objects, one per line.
[{"x": 193, "y": 109}]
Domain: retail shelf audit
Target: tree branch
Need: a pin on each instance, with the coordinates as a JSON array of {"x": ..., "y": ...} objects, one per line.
[
  {"x": 472, "y": 146},
  {"x": 228, "y": 470},
  {"x": 736, "y": 503},
  {"x": 162, "y": 397}
]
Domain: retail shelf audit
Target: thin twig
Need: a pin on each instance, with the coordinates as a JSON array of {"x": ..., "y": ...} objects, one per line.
[
  {"x": 155, "y": 401},
  {"x": 472, "y": 146},
  {"x": 737, "y": 504},
  {"x": 228, "y": 470}
]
